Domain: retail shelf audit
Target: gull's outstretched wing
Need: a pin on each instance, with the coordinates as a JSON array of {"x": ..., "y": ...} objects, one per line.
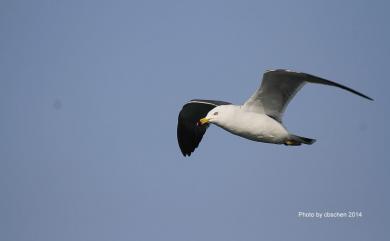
[
  {"x": 189, "y": 133},
  {"x": 279, "y": 87}
]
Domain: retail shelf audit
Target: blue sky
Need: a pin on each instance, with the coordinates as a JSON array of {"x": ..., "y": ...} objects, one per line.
[{"x": 89, "y": 97}]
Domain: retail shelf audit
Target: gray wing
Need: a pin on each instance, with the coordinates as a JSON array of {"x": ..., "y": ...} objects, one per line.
[
  {"x": 279, "y": 87},
  {"x": 189, "y": 133}
]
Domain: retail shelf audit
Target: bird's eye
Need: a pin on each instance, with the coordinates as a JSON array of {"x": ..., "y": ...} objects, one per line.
[{"x": 215, "y": 113}]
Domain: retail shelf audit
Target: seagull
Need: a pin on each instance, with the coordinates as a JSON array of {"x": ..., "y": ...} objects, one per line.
[{"x": 258, "y": 119}]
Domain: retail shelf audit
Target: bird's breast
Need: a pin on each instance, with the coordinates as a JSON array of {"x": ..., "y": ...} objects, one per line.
[{"x": 256, "y": 127}]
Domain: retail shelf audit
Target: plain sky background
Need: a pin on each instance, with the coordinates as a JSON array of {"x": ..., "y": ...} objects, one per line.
[{"x": 89, "y": 97}]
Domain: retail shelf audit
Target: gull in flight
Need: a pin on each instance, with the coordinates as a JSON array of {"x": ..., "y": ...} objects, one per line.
[{"x": 258, "y": 119}]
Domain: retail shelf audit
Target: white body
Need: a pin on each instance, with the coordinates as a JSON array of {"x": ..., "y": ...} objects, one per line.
[{"x": 251, "y": 125}]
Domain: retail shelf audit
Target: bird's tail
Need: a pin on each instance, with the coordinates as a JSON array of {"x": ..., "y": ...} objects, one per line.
[{"x": 294, "y": 140}]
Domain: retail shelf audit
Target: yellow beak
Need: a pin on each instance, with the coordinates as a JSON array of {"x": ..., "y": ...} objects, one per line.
[{"x": 204, "y": 121}]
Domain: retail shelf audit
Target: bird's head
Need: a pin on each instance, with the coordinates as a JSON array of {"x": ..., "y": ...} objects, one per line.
[{"x": 216, "y": 115}]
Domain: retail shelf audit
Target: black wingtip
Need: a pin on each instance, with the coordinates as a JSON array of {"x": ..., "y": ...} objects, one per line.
[
  {"x": 189, "y": 134},
  {"x": 364, "y": 96},
  {"x": 360, "y": 94},
  {"x": 319, "y": 80}
]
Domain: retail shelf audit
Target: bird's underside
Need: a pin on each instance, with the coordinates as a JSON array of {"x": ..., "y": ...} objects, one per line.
[{"x": 270, "y": 99}]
